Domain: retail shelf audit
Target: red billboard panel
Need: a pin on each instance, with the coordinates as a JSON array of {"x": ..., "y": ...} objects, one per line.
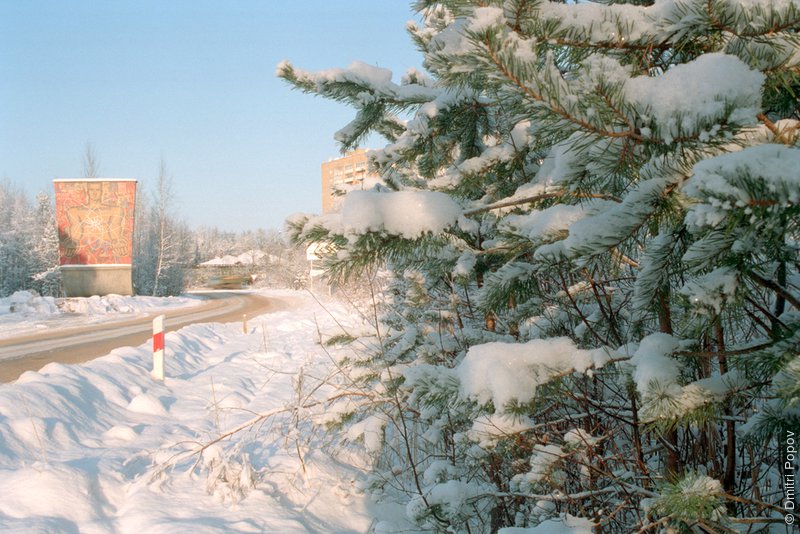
[{"x": 95, "y": 221}]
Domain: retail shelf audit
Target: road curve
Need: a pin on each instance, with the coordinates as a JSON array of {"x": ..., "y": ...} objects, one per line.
[{"x": 80, "y": 344}]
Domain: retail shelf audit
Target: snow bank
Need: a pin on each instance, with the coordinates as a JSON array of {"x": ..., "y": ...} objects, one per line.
[
  {"x": 102, "y": 447},
  {"x": 25, "y": 312},
  {"x": 27, "y": 302},
  {"x": 114, "y": 304}
]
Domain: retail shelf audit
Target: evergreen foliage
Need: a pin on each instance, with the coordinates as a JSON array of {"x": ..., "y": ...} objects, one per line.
[
  {"x": 28, "y": 244},
  {"x": 627, "y": 180}
]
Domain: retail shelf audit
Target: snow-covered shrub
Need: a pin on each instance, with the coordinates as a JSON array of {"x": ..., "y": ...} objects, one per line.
[{"x": 229, "y": 474}]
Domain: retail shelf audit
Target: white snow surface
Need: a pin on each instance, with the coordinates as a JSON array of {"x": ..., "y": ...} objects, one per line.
[
  {"x": 103, "y": 447},
  {"x": 709, "y": 292},
  {"x": 378, "y": 80},
  {"x": 408, "y": 214},
  {"x": 25, "y": 312}
]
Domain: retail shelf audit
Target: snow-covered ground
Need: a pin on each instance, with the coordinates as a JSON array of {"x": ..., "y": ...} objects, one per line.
[
  {"x": 25, "y": 312},
  {"x": 103, "y": 447}
]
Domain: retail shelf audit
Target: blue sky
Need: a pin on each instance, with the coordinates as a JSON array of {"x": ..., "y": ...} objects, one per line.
[{"x": 192, "y": 82}]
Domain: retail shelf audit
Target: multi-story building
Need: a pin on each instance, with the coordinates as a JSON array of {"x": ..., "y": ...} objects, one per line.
[{"x": 343, "y": 174}]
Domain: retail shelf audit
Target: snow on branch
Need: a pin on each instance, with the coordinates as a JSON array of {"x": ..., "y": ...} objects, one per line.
[
  {"x": 504, "y": 372},
  {"x": 358, "y": 83},
  {"x": 657, "y": 375},
  {"x": 758, "y": 176},
  {"x": 697, "y": 98},
  {"x": 409, "y": 214}
]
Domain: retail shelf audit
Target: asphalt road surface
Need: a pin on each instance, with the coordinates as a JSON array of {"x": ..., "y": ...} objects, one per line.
[{"x": 80, "y": 344}]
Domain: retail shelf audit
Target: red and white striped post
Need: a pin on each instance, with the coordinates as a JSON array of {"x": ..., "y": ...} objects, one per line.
[{"x": 158, "y": 348}]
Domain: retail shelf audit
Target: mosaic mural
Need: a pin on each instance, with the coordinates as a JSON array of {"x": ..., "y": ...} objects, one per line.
[{"x": 95, "y": 221}]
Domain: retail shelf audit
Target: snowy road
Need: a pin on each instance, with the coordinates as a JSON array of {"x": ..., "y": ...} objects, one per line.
[{"x": 78, "y": 344}]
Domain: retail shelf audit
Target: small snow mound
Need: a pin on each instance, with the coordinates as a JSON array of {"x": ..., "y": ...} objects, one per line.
[
  {"x": 147, "y": 404},
  {"x": 120, "y": 433},
  {"x": 29, "y": 377},
  {"x": 98, "y": 305}
]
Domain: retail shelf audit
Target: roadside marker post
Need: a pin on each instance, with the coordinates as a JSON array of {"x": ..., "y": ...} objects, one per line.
[
  {"x": 244, "y": 323},
  {"x": 158, "y": 348}
]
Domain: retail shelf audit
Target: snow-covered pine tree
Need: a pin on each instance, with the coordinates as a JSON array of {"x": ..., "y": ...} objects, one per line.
[
  {"x": 17, "y": 259},
  {"x": 591, "y": 212},
  {"x": 47, "y": 278}
]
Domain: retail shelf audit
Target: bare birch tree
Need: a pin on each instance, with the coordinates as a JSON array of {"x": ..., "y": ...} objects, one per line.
[{"x": 91, "y": 167}]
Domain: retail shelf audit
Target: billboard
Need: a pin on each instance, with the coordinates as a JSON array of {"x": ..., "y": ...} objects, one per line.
[{"x": 95, "y": 221}]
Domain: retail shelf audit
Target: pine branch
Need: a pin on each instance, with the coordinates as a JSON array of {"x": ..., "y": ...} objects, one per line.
[
  {"x": 538, "y": 198},
  {"x": 631, "y": 133},
  {"x": 771, "y": 285}
]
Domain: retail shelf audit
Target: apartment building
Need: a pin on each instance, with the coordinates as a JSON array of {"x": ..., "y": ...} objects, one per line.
[{"x": 344, "y": 174}]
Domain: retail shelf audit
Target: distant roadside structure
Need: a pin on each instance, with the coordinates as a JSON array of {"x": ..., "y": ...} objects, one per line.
[
  {"x": 234, "y": 272},
  {"x": 251, "y": 257},
  {"x": 95, "y": 219},
  {"x": 314, "y": 251},
  {"x": 340, "y": 175}
]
